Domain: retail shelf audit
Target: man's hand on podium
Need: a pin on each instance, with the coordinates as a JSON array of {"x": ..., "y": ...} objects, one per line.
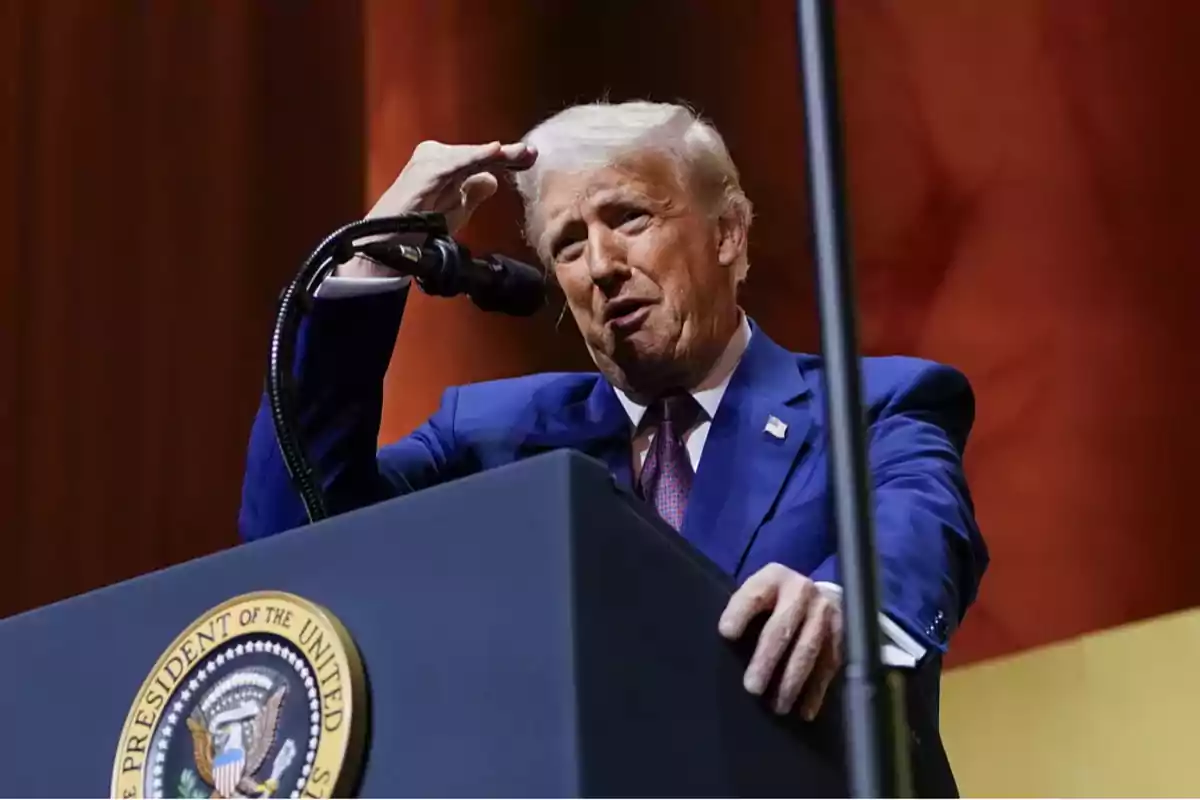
[{"x": 799, "y": 650}]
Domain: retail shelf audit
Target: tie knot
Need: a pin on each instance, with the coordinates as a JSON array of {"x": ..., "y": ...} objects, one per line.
[{"x": 680, "y": 411}]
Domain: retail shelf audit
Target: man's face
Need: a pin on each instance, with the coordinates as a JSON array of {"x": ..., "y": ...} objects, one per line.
[{"x": 646, "y": 269}]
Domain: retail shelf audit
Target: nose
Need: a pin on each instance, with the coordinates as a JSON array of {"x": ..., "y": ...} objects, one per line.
[{"x": 605, "y": 259}]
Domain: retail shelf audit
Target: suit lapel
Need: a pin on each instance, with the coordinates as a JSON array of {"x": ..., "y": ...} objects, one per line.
[
  {"x": 760, "y": 429},
  {"x": 596, "y": 425}
]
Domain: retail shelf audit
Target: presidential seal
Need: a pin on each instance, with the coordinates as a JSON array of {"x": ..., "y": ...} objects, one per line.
[{"x": 263, "y": 696}]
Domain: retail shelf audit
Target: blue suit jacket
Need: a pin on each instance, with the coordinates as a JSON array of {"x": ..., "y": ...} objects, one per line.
[{"x": 757, "y": 498}]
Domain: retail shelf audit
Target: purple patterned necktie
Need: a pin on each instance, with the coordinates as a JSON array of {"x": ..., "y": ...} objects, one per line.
[{"x": 666, "y": 477}]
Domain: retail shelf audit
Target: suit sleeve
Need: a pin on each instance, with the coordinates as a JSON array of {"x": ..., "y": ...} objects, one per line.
[
  {"x": 342, "y": 355},
  {"x": 931, "y": 553}
]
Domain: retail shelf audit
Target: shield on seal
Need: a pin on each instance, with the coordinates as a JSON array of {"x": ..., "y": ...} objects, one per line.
[{"x": 227, "y": 771}]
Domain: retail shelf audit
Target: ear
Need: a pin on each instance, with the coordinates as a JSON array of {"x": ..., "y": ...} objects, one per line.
[{"x": 732, "y": 236}]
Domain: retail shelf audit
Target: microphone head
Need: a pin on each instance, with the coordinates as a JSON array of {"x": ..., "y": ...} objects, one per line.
[{"x": 515, "y": 288}]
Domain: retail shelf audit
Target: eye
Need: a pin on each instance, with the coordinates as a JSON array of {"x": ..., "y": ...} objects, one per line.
[
  {"x": 633, "y": 217},
  {"x": 567, "y": 251}
]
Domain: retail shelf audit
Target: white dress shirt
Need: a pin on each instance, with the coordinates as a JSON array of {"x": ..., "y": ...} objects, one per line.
[{"x": 899, "y": 649}]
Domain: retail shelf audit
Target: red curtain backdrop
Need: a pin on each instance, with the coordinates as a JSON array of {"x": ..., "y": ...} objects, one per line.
[
  {"x": 1022, "y": 180},
  {"x": 166, "y": 167}
]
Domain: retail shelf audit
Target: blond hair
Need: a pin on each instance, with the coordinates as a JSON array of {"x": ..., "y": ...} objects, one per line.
[{"x": 599, "y": 134}]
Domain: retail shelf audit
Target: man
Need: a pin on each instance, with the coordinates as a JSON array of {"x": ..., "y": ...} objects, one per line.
[{"x": 637, "y": 211}]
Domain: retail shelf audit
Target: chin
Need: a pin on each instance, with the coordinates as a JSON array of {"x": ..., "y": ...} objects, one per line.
[
  {"x": 642, "y": 345},
  {"x": 651, "y": 367},
  {"x": 647, "y": 352}
]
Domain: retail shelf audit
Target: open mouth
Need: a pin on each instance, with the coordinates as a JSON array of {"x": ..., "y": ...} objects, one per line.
[{"x": 624, "y": 315}]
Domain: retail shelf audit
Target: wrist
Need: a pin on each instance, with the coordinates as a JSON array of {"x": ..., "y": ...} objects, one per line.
[{"x": 363, "y": 267}]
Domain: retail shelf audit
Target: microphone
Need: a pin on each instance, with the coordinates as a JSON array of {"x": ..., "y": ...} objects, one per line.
[{"x": 445, "y": 268}]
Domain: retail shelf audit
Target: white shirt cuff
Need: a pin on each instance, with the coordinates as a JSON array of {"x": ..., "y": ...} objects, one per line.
[
  {"x": 334, "y": 287},
  {"x": 898, "y": 649}
]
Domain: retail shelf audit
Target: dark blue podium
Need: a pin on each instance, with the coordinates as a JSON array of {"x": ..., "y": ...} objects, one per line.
[{"x": 528, "y": 631}]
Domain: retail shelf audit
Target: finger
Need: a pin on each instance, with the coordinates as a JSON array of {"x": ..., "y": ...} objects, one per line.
[
  {"x": 818, "y": 684},
  {"x": 809, "y": 644},
  {"x": 446, "y": 191},
  {"x": 776, "y": 636},
  {"x": 756, "y": 595},
  {"x": 454, "y": 196},
  {"x": 828, "y": 664},
  {"x": 498, "y": 167},
  {"x": 445, "y": 159},
  {"x": 474, "y": 191},
  {"x": 518, "y": 155},
  {"x": 477, "y": 189},
  {"x": 460, "y": 163}
]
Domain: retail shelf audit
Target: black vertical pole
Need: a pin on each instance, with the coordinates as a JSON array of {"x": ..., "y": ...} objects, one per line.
[{"x": 870, "y": 712}]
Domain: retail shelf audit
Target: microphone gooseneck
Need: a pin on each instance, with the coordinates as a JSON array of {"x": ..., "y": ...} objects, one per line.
[{"x": 441, "y": 266}]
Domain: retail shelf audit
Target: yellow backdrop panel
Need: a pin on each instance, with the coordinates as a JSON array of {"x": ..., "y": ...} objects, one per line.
[{"x": 1111, "y": 714}]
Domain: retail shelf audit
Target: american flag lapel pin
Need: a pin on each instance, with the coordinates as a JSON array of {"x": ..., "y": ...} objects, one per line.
[{"x": 776, "y": 427}]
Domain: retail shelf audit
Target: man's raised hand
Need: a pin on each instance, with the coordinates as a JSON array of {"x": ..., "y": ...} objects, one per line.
[{"x": 453, "y": 179}]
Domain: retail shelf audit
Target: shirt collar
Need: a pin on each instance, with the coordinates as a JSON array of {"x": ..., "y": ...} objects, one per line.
[{"x": 710, "y": 391}]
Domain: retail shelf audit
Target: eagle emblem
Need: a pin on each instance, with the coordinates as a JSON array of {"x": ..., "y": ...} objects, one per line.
[
  {"x": 234, "y": 728},
  {"x": 262, "y": 696}
]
